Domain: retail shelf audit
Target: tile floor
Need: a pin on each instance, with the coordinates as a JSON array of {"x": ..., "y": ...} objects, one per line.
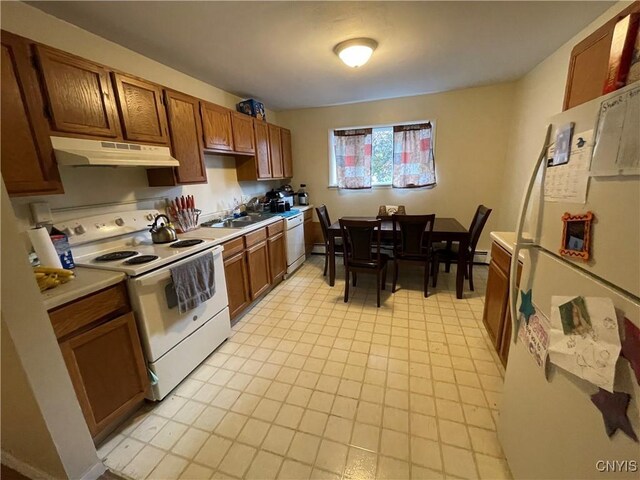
[{"x": 311, "y": 387}]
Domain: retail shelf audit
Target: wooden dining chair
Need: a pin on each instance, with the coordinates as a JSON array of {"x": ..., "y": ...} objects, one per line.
[
  {"x": 412, "y": 243},
  {"x": 361, "y": 241},
  {"x": 325, "y": 223},
  {"x": 449, "y": 255}
]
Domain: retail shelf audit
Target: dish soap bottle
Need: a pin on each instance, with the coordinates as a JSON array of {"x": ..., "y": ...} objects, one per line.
[{"x": 303, "y": 196}]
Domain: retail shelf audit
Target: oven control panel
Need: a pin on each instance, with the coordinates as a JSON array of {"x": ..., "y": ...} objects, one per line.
[{"x": 99, "y": 227}]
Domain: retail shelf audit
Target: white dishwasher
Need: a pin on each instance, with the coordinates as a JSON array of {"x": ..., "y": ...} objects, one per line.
[{"x": 295, "y": 242}]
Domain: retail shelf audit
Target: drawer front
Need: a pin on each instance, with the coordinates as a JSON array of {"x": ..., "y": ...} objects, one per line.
[
  {"x": 73, "y": 316},
  {"x": 255, "y": 237},
  {"x": 307, "y": 215},
  {"x": 501, "y": 257},
  {"x": 232, "y": 247},
  {"x": 275, "y": 228}
]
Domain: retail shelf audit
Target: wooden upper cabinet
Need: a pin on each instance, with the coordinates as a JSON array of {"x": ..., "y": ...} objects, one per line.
[
  {"x": 79, "y": 95},
  {"x": 186, "y": 137},
  {"x": 216, "y": 127},
  {"x": 275, "y": 147},
  {"x": 141, "y": 110},
  {"x": 589, "y": 62},
  {"x": 263, "y": 163},
  {"x": 28, "y": 162},
  {"x": 242, "y": 128},
  {"x": 287, "y": 158}
]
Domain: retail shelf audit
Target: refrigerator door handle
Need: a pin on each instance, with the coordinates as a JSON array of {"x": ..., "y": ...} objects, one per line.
[{"x": 522, "y": 243}]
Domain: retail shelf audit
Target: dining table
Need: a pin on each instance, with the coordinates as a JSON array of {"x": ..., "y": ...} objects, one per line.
[{"x": 445, "y": 229}]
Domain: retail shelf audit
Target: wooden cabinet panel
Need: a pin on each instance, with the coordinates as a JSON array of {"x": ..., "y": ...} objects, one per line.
[
  {"x": 275, "y": 148},
  {"x": 79, "y": 95},
  {"x": 242, "y": 129},
  {"x": 233, "y": 247},
  {"x": 107, "y": 370},
  {"x": 186, "y": 137},
  {"x": 308, "y": 233},
  {"x": 254, "y": 237},
  {"x": 28, "y": 162},
  {"x": 589, "y": 62},
  {"x": 74, "y": 316},
  {"x": 275, "y": 228},
  {"x": 287, "y": 159},
  {"x": 141, "y": 110},
  {"x": 237, "y": 278},
  {"x": 259, "y": 274},
  {"x": 495, "y": 304},
  {"x": 263, "y": 162},
  {"x": 277, "y": 256},
  {"x": 216, "y": 127}
]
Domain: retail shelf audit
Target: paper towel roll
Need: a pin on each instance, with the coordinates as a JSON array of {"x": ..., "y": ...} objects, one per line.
[{"x": 44, "y": 248}]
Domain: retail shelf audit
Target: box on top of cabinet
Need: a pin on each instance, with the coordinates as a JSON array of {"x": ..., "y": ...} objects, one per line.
[{"x": 252, "y": 107}]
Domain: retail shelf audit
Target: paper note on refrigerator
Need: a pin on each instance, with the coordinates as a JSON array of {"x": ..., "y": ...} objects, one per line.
[
  {"x": 569, "y": 182},
  {"x": 617, "y": 145},
  {"x": 591, "y": 347},
  {"x": 534, "y": 335}
]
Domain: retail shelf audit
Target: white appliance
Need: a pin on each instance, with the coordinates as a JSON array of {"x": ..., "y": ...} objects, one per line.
[
  {"x": 81, "y": 152},
  {"x": 294, "y": 233},
  {"x": 174, "y": 343},
  {"x": 550, "y": 428}
]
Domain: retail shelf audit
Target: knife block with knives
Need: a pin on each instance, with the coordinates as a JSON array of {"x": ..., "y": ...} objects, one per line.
[{"x": 183, "y": 213}]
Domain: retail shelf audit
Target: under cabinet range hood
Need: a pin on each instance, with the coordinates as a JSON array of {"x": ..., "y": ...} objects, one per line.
[{"x": 81, "y": 152}]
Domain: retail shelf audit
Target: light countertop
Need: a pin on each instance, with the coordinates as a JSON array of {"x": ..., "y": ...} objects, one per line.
[
  {"x": 88, "y": 280},
  {"x": 222, "y": 235},
  {"x": 507, "y": 240}
]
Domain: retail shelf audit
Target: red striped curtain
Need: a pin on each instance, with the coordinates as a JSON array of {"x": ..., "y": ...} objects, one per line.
[
  {"x": 413, "y": 162},
  {"x": 353, "y": 158}
]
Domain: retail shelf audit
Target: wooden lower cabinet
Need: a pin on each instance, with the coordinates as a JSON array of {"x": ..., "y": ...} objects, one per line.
[
  {"x": 237, "y": 278},
  {"x": 496, "y": 316},
  {"x": 102, "y": 352},
  {"x": 277, "y": 256},
  {"x": 259, "y": 275},
  {"x": 308, "y": 232},
  {"x": 254, "y": 263},
  {"x": 107, "y": 370}
]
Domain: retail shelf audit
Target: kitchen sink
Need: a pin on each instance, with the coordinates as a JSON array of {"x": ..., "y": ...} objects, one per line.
[{"x": 240, "y": 222}]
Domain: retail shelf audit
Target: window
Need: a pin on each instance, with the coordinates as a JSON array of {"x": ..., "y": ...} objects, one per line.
[
  {"x": 382, "y": 156},
  {"x": 361, "y": 158}
]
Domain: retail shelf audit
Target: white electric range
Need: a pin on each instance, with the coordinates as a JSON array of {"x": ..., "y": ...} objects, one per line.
[{"x": 174, "y": 343}]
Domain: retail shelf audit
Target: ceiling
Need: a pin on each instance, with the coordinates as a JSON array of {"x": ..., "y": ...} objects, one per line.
[{"x": 282, "y": 52}]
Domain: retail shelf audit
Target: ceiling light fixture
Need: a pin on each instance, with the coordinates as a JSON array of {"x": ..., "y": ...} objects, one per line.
[{"x": 355, "y": 52}]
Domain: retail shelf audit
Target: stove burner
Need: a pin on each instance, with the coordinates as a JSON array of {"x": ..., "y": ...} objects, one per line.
[
  {"x": 113, "y": 256},
  {"x": 141, "y": 259},
  {"x": 186, "y": 243}
]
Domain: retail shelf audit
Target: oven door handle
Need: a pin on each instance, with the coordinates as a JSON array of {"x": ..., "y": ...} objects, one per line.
[{"x": 154, "y": 277}]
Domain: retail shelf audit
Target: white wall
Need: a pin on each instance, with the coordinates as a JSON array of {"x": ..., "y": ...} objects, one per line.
[
  {"x": 43, "y": 429},
  {"x": 93, "y": 186},
  {"x": 539, "y": 95},
  {"x": 471, "y": 126}
]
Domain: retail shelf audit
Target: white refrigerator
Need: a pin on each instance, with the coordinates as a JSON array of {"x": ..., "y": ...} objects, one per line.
[{"x": 548, "y": 425}]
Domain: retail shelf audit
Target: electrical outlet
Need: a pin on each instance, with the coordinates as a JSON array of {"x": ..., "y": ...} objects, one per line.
[{"x": 41, "y": 212}]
